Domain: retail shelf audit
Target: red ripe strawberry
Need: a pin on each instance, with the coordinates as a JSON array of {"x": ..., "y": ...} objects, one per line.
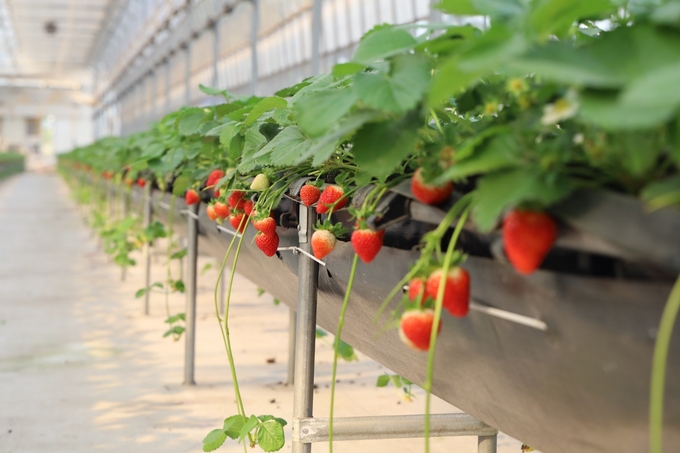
[
  {"x": 429, "y": 193},
  {"x": 528, "y": 236},
  {"x": 236, "y": 200},
  {"x": 415, "y": 328},
  {"x": 309, "y": 194},
  {"x": 415, "y": 288},
  {"x": 323, "y": 243},
  {"x": 248, "y": 207},
  {"x": 222, "y": 210},
  {"x": 456, "y": 292},
  {"x": 266, "y": 225},
  {"x": 217, "y": 193},
  {"x": 141, "y": 182},
  {"x": 268, "y": 244},
  {"x": 367, "y": 243},
  {"x": 238, "y": 222},
  {"x": 191, "y": 197},
  {"x": 214, "y": 177},
  {"x": 331, "y": 194},
  {"x": 210, "y": 211}
]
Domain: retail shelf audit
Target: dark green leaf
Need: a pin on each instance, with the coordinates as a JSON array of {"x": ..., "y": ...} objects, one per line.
[
  {"x": 553, "y": 16},
  {"x": 286, "y": 147}
]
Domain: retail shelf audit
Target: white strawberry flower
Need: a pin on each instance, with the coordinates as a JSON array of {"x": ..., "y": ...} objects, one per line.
[{"x": 562, "y": 109}]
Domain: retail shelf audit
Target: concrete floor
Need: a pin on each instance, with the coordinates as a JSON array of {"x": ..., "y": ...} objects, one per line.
[{"x": 81, "y": 369}]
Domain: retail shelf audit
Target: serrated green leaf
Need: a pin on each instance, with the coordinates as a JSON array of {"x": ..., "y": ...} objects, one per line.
[
  {"x": 213, "y": 91},
  {"x": 181, "y": 184},
  {"x": 282, "y": 117},
  {"x": 214, "y": 440},
  {"x": 233, "y": 426},
  {"x": 318, "y": 111},
  {"x": 264, "y": 105},
  {"x": 286, "y": 147},
  {"x": 270, "y": 436},
  {"x": 380, "y": 147},
  {"x": 400, "y": 90},
  {"x": 249, "y": 425},
  {"x": 252, "y": 142},
  {"x": 383, "y": 380},
  {"x": 383, "y": 43},
  {"x": 346, "y": 69},
  {"x": 190, "y": 124}
]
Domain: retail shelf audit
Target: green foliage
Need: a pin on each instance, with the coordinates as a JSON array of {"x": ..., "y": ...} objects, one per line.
[{"x": 401, "y": 384}]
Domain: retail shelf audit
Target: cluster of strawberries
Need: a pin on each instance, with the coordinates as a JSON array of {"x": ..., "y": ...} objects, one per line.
[{"x": 528, "y": 236}]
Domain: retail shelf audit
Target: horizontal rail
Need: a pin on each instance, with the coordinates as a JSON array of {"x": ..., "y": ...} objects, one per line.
[
  {"x": 228, "y": 231},
  {"x": 509, "y": 316},
  {"x": 309, "y": 430},
  {"x": 190, "y": 214},
  {"x": 297, "y": 250}
]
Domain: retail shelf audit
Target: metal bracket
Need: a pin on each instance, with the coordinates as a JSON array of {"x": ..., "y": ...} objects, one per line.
[
  {"x": 302, "y": 228},
  {"x": 228, "y": 231},
  {"x": 297, "y": 250},
  {"x": 190, "y": 214}
]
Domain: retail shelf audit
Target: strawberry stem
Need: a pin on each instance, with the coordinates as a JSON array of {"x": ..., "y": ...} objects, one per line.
[
  {"x": 168, "y": 253},
  {"x": 341, "y": 322},
  {"x": 656, "y": 392},
  {"x": 437, "y": 318}
]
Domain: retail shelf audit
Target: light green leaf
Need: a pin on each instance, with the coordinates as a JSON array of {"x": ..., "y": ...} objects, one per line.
[
  {"x": 179, "y": 255},
  {"x": 253, "y": 141},
  {"x": 660, "y": 194},
  {"x": 449, "y": 79},
  {"x": 248, "y": 427},
  {"x": 181, "y": 185},
  {"x": 383, "y": 43},
  {"x": 228, "y": 131},
  {"x": 282, "y": 117},
  {"x": 286, "y": 147},
  {"x": 500, "y": 152},
  {"x": 553, "y": 16},
  {"x": 264, "y": 105},
  {"x": 320, "y": 333},
  {"x": 399, "y": 91},
  {"x": 177, "y": 330},
  {"x": 657, "y": 88},
  {"x": 605, "y": 110},
  {"x": 346, "y": 69},
  {"x": 383, "y": 380},
  {"x": 214, "y": 440},
  {"x": 233, "y": 426},
  {"x": 264, "y": 418},
  {"x": 458, "y": 7},
  {"x": 270, "y": 436},
  {"x": 191, "y": 123},
  {"x": 318, "y": 111},
  {"x": 346, "y": 351}
]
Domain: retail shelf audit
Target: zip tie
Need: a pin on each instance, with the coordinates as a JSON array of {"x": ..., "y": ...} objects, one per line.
[
  {"x": 297, "y": 250},
  {"x": 189, "y": 213},
  {"x": 233, "y": 233},
  {"x": 504, "y": 314}
]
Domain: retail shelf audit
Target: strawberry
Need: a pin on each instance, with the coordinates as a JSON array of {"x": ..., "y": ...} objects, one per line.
[
  {"x": 222, "y": 210},
  {"x": 129, "y": 182},
  {"x": 323, "y": 243},
  {"x": 248, "y": 207},
  {"x": 456, "y": 292},
  {"x": 260, "y": 183},
  {"x": 217, "y": 193},
  {"x": 210, "y": 212},
  {"x": 528, "y": 236},
  {"x": 235, "y": 200},
  {"x": 214, "y": 177},
  {"x": 220, "y": 220},
  {"x": 415, "y": 288},
  {"x": 429, "y": 193},
  {"x": 191, "y": 197},
  {"x": 238, "y": 222},
  {"x": 141, "y": 182},
  {"x": 266, "y": 225},
  {"x": 415, "y": 328},
  {"x": 331, "y": 195},
  {"x": 267, "y": 243},
  {"x": 309, "y": 194},
  {"x": 367, "y": 243}
]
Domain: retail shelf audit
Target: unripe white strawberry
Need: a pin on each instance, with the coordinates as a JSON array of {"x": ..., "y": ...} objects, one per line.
[{"x": 261, "y": 182}]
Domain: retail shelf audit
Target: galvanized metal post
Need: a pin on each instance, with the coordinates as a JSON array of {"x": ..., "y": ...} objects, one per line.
[
  {"x": 487, "y": 444},
  {"x": 190, "y": 288},
  {"x": 292, "y": 318},
  {"x": 305, "y": 341},
  {"x": 254, "y": 32},
  {"x": 317, "y": 9},
  {"x": 146, "y": 248}
]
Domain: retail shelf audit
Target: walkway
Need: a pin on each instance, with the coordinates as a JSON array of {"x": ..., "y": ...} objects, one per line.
[{"x": 82, "y": 370}]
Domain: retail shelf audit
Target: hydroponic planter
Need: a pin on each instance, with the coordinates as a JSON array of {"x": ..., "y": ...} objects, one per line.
[{"x": 581, "y": 386}]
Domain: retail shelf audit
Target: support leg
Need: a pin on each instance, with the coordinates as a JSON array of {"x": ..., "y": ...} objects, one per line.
[
  {"x": 291, "y": 347},
  {"x": 190, "y": 288},
  {"x": 305, "y": 341},
  {"x": 146, "y": 248},
  {"x": 487, "y": 444}
]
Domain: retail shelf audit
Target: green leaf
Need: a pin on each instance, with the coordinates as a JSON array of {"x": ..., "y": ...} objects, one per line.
[
  {"x": 264, "y": 418},
  {"x": 383, "y": 380},
  {"x": 213, "y": 91},
  {"x": 553, "y": 16},
  {"x": 346, "y": 69},
  {"x": 141, "y": 292},
  {"x": 320, "y": 333},
  {"x": 181, "y": 184},
  {"x": 317, "y": 111},
  {"x": 383, "y": 43},
  {"x": 264, "y": 105},
  {"x": 660, "y": 194},
  {"x": 346, "y": 352},
  {"x": 380, "y": 147},
  {"x": 214, "y": 440},
  {"x": 400, "y": 90},
  {"x": 176, "y": 330},
  {"x": 503, "y": 189},
  {"x": 605, "y": 110},
  {"x": 190, "y": 124},
  {"x": 270, "y": 436},
  {"x": 449, "y": 79},
  {"x": 179, "y": 255},
  {"x": 286, "y": 147},
  {"x": 178, "y": 285},
  {"x": 656, "y": 89},
  {"x": 282, "y": 117},
  {"x": 233, "y": 426},
  {"x": 500, "y": 152},
  {"x": 458, "y": 7},
  {"x": 253, "y": 141},
  {"x": 248, "y": 427}
]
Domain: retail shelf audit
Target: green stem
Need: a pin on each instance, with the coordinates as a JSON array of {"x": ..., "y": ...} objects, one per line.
[
  {"x": 435, "y": 325},
  {"x": 341, "y": 322},
  {"x": 658, "y": 378},
  {"x": 168, "y": 253}
]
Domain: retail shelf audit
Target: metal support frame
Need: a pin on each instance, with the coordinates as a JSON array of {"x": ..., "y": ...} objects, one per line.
[
  {"x": 317, "y": 9},
  {"x": 146, "y": 248},
  {"x": 216, "y": 54},
  {"x": 254, "y": 33},
  {"x": 187, "y": 73},
  {"x": 124, "y": 207},
  {"x": 292, "y": 318},
  {"x": 190, "y": 288}
]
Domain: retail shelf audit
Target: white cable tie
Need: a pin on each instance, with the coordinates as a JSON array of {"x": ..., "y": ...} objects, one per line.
[
  {"x": 297, "y": 250},
  {"x": 190, "y": 214},
  {"x": 226, "y": 230}
]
